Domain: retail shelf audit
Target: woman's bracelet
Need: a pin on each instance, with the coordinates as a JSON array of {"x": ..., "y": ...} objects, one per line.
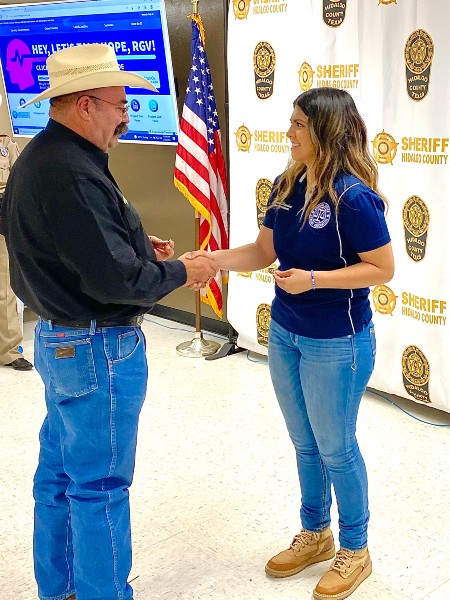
[{"x": 313, "y": 280}]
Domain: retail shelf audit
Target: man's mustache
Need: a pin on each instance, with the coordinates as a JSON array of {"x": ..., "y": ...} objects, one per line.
[{"x": 120, "y": 129}]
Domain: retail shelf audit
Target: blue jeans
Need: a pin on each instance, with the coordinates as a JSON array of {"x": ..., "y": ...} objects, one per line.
[
  {"x": 95, "y": 384},
  {"x": 319, "y": 384}
]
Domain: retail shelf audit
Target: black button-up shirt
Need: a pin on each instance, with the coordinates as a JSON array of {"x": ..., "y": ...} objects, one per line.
[{"x": 77, "y": 248}]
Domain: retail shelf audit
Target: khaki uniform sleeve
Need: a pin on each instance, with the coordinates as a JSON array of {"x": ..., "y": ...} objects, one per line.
[{"x": 13, "y": 152}]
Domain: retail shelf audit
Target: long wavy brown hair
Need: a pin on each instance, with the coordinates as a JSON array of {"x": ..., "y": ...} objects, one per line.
[{"x": 339, "y": 138}]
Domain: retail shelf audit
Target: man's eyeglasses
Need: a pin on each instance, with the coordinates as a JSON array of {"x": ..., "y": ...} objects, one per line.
[{"x": 122, "y": 107}]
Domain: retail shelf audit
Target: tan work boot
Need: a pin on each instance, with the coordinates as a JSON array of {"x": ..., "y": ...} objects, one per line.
[
  {"x": 348, "y": 570},
  {"x": 307, "y": 548}
]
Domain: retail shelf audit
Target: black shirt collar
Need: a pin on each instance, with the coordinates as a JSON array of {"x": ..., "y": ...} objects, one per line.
[{"x": 63, "y": 132}]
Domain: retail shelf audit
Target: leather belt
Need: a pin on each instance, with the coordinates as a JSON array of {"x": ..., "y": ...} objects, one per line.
[{"x": 84, "y": 324}]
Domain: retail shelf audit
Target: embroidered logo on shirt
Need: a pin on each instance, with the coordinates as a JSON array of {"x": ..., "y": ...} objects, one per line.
[{"x": 320, "y": 216}]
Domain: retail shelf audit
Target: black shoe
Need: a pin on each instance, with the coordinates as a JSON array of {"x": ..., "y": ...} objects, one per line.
[{"x": 20, "y": 364}]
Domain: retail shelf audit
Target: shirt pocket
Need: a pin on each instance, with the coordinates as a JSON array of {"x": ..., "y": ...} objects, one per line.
[
  {"x": 138, "y": 238},
  {"x": 132, "y": 218},
  {"x": 71, "y": 367},
  {"x": 4, "y": 170}
]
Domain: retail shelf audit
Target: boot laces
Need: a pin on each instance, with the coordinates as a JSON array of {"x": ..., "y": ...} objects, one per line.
[
  {"x": 343, "y": 560},
  {"x": 304, "y": 538}
]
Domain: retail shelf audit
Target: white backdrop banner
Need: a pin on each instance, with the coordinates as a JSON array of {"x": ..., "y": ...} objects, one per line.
[{"x": 393, "y": 57}]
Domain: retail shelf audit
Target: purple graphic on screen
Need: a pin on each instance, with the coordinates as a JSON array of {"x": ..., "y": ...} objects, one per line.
[{"x": 19, "y": 64}]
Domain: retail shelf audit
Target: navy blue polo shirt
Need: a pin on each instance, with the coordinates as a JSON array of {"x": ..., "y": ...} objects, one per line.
[{"x": 326, "y": 243}]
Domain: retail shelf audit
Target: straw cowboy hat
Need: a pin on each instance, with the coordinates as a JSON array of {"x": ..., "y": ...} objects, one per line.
[{"x": 86, "y": 67}]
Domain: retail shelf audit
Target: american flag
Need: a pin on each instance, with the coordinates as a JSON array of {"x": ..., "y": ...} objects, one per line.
[{"x": 199, "y": 165}]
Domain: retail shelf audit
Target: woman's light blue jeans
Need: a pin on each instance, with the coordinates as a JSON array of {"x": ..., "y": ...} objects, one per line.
[
  {"x": 95, "y": 384},
  {"x": 319, "y": 384}
]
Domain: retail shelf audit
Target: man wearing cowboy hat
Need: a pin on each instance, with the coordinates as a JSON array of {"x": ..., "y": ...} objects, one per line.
[{"x": 81, "y": 260}]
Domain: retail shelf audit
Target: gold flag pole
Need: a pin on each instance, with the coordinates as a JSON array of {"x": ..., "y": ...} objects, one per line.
[{"x": 198, "y": 346}]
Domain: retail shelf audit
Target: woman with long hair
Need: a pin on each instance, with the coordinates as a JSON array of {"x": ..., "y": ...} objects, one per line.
[{"x": 326, "y": 226}]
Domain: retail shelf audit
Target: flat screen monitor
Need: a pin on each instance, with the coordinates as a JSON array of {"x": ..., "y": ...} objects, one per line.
[{"x": 137, "y": 30}]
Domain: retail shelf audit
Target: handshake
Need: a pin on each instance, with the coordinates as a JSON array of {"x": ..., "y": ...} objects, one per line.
[{"x": 201, "y": 267}]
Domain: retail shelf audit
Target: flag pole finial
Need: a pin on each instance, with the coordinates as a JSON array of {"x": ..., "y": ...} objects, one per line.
[{"x": 197, "y": 18}]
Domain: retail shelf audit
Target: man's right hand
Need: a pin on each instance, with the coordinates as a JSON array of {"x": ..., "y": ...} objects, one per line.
[{"x": 199, "y": 270}]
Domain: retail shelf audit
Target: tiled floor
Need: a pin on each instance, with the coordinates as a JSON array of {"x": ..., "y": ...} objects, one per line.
[{"x": 215, "y": 492}]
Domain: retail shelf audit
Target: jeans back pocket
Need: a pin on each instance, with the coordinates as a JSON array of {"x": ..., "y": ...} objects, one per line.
[{"x": 71, "y": 367}]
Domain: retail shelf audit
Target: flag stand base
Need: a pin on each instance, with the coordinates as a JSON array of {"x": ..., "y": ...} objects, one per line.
[{"x": 198, "y": 347}]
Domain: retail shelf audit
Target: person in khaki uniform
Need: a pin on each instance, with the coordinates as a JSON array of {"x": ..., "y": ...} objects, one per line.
[{"x": 10, "y": 330}]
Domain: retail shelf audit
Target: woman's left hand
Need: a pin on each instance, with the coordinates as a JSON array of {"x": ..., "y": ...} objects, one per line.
[
  {"x": 164, "y": 249},
  {"x": 293, "y": 281}
]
